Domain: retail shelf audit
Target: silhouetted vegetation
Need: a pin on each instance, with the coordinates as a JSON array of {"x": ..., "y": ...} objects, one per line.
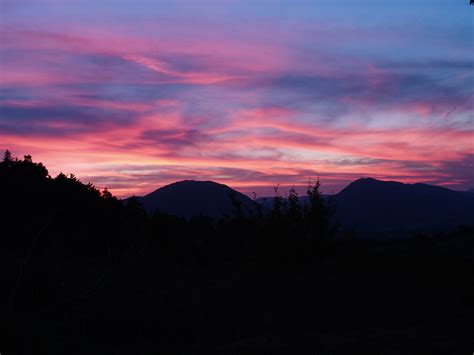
[{"x": 84, "y": 272}]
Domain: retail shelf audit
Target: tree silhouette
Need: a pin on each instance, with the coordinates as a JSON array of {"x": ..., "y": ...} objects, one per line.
[
  {"x": 318, "y": 214},
  {"x": 106, "y": 194},
  {"x": 7, "y": 156}
]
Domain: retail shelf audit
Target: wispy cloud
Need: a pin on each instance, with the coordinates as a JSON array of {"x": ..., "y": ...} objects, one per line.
[{"x": 241, "y": 93}]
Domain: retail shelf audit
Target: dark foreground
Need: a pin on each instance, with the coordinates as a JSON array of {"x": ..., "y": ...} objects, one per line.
[
  {"x": 369, "y": 298},
  {"x": 83, "y": 273}
]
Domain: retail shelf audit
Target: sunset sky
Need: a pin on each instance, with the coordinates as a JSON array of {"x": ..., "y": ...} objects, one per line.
[{"x": 135, "y": 94}]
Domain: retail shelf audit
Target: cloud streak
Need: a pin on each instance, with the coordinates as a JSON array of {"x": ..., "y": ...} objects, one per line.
[{"x": 247, "y": 97}]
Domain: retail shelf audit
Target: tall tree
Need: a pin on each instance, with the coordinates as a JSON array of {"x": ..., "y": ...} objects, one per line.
[{"x": 7, "y": 156}]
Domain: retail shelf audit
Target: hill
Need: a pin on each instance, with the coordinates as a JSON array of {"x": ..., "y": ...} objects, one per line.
[
  {"x": 192, "y": 198},
  {"x": 372, "y": 206}
]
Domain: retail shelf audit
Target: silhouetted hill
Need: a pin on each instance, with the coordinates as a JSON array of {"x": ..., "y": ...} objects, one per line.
[
  {"x": 192, "y": 198},
  {"x": 372, "y": 207}
]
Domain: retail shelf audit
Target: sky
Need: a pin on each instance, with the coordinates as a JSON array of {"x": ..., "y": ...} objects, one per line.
[{"x": 135, "y": 94}]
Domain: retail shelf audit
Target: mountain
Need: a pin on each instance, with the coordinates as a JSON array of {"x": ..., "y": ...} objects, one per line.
[
  {"x": 192, "y": 198},
  {"x": 373, "y": 207}
]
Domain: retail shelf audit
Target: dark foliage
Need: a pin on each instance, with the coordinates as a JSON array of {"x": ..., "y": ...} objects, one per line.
[{"x": 85, "y": 273}]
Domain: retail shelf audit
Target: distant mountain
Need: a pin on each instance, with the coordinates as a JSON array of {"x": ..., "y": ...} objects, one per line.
[
  {"x": 374, "y": 207},
  {"x": 371, "y": 207},
  {"x": 192, "y": 198}
]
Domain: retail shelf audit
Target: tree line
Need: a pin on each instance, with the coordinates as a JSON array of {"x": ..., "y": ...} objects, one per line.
[
  {"x": 77, "y": 219},
  {"x": 86, "y": 272}
]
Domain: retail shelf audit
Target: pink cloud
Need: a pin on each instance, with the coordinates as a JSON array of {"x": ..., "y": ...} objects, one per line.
[{"x": 261, "y": 108}]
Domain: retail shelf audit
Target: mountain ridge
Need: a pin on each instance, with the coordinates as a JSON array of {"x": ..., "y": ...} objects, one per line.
[
  {"x": 369, "y": 206},
  {"x": 188, "y": 198},
  {"x": 373, "y": 207}
]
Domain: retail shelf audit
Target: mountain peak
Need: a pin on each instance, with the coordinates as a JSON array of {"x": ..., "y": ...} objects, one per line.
[
  {"x": 369, "y": 184},
  {"x": 188, "y": 198},
  {"x": 190, "y": 182},
  {"x": 381, "y": 185},
  {"x": 372, "y": 205}
]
